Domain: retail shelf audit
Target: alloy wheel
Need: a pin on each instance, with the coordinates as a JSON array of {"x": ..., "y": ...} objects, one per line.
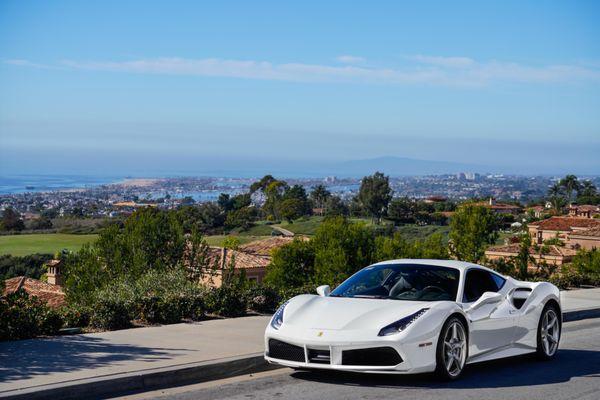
[
  {"x": 550, "y": 332},
  {"x": 454, "y": 351}
]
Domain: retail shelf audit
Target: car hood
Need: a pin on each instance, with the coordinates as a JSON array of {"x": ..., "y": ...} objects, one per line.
[{"x": 316, "y": 312}]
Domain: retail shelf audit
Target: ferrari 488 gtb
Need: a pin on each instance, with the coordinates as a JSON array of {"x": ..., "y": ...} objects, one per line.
[{"x": 411, "y": 316}]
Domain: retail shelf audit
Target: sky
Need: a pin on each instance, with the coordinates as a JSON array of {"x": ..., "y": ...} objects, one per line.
[{"x": 181, "y": 87}]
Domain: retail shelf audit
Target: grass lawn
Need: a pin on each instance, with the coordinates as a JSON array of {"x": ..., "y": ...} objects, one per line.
[
  {"x": 303, "y": 227},
  {"x": 22, "y": 245},
  {"x": 417, "y": 232},
  {"x": 217, "y": 240}
]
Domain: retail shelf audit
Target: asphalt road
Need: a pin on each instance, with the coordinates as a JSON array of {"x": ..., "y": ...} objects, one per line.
[{"x": 573, "y": 374}]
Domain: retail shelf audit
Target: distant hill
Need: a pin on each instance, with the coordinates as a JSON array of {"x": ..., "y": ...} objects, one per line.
[{"x": 398, "y": 166}]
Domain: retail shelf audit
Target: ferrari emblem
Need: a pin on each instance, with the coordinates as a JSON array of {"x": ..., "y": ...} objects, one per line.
[{"x": 320, "y": 334}]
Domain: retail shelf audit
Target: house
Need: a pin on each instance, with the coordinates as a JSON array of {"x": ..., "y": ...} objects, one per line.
[
  {"x": 537, "y": 211},
  {"x": 501, "y": 208},
  {"x": 552, "y": 255},
  {"x": 253, "y": 258},
  {"x": 584, "y": 210},
  {"x": 561, "y": 227},
  {"x": 50, "y": 294},
  {"x": 587, "y": 239}
]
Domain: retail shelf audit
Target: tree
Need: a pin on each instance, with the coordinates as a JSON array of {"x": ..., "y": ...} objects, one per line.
[
  {"x": 11, "y": 220},
  {"x": 297, "y": 193},
  {"x": 402, "y": 210},
  {"x": 341, "y": 248},
  {"x": 375, "y": 195},
  {"x": 335, "y": 207},
  {"x": 274, "y": 193},
  {"x": 262, "y": 184},
  {"x": 472, "y": 228},
  {"x": 588, "y": 194},
  {"x": 319, "y": 196},
  {"x": 556, "y": 195},
  {"x": 292, "y": 265},
  {"x": 570, "y": 184},
  {"x": 241, "y": 218},
  {"x": 291, "y": 209},
  {"x": 523, "y": 258}
]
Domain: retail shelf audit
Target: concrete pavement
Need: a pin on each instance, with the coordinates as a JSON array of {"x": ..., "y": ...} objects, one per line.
[{"x": 142, "y": 358}]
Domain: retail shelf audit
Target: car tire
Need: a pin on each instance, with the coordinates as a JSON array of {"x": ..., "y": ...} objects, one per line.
[
  {"x": 453, "y": 342},
  {"x": 549, "y": 332}
]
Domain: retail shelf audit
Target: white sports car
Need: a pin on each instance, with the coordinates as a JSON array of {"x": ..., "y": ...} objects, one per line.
[{"x": 413, "y": 316}]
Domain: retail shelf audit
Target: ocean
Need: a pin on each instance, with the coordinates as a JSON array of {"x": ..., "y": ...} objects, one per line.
[{"x": 14, "y": 184}]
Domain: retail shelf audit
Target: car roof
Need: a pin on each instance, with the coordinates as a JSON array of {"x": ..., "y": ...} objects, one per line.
[{"x": 460, "y": 265}]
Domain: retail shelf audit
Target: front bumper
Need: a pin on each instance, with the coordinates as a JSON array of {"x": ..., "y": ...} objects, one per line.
[{"x": 412, "y": 356}]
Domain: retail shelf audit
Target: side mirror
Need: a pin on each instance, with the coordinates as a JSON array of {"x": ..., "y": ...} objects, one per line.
[
  {"x": 486, "y": 298},
  {"x": 324, "y": 290}
]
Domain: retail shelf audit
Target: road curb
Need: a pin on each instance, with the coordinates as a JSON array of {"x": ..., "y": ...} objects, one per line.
[
  {"x": 121, "y": 384},
  {"x": 578, "y": 315}
]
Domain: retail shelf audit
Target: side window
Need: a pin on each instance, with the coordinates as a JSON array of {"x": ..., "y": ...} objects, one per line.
[{"x": 478, "y": 282}]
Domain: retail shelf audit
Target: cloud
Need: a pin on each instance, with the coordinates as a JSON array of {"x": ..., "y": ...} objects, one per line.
[
  {"x": 449, "y": 62},
  {"x": 420, "y": 70},
  {"x": 346, "y": 59},
  {"x": 26, "y": 63}
]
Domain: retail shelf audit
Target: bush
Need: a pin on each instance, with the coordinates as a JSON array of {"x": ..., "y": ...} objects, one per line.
[
  {"x": 50, "y": 322},
  {"x": 74, "y": 316},
  {"x": 262, "y": 299},
  {"x": 23, "y": 316},
  {"x": 110, "y": 314},
  {"x": 226, "y": 301}
]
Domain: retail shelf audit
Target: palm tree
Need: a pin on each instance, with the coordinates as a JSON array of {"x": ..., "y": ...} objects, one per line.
[
  {"x": 587, "y": 189},
  {"x": 556, "y": 195},
  {"x": 570, "y": 184}
]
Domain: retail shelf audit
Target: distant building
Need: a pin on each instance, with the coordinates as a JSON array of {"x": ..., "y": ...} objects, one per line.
[
  {"x": 584, "y": 210},
  {"x": 588, "y": 239},
  {"x": 50, "y": 294},
  {"x": 560, "y": 227},
  {"x": 537, "y": 211},
  {"x": 552, "y": 255},
  {"x": 435, "y": 199},
  {"x": 252, "y": 258},
  {"x": 501, "y": 208}
]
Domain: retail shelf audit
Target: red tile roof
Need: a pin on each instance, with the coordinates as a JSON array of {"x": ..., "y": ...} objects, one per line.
[
  {"x": 50, "y": 294},
  {"x": 553, "y": 250},
  {"x": 242, "y": 260},
  {"x": 592, "y": 232},
  {"x": 586, "y": 207},
  {"x": 565, "y": 223}
]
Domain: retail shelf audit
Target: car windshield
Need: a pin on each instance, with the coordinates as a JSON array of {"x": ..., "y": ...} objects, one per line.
[{"x": 401, "y": 282}]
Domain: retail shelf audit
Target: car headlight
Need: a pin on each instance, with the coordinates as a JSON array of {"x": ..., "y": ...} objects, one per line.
[
  {"x": 401, "y": 324},
  {"x": 277, "y": 319}
]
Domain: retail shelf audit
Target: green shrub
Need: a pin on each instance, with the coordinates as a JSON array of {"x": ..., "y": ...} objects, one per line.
[
  {"x": 110, "y": 314},
  {"x": 226, "y": 301},
  {"x": 23, "y": 316},
  {"x": 51, "y": 321},
  {"x": 262, "y": 299},
  {"x": 75, "y": 316}
]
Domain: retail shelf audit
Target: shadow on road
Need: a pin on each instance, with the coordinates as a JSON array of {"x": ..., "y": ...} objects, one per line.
[
  {"x": 28, "y": 358},
  {"x": 510, "y": 372}
]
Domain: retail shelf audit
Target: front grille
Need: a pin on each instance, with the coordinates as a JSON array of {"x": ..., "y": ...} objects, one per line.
[
  {"x": 319, "y": 356},
  {"x": 285, "y": 351},
  {"x": 377, "y": 356}
]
